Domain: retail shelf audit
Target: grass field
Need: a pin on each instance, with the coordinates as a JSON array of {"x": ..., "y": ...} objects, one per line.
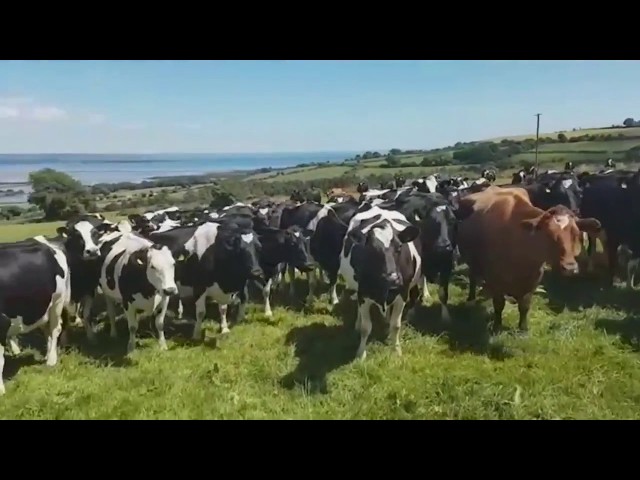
[
  {"x": 580, "y": 362},
  {"x": 627, "y": 132}
]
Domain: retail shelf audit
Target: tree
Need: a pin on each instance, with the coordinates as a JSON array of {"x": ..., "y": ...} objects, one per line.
[
  {"x": 562, "y": 138},
  {"x": 629, "y": 122},
  {"x": 58, "y": 195},
  {"x": 392, "y": 161},
  {"x": 395, "y": 151}
]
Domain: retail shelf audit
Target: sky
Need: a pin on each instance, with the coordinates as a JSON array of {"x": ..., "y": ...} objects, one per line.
[{"x": 296, "y": 106}]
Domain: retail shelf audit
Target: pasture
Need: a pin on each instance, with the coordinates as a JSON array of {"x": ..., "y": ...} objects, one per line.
[{"x": 580, "y": 361}]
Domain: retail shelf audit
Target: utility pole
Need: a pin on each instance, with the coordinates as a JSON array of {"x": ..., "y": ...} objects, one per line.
[{"x": 537, "y": 136}]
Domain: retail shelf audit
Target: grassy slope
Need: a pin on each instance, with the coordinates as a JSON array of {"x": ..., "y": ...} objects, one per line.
[
  {"x": 298, "y": 365},
  {"x": 552, "y": 155}
]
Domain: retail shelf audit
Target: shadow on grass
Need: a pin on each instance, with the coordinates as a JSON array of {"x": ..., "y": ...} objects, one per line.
[
  {"x": 627, "y": 329},
  {"x": 13, "y": 364},
  {"x": 466, "y": 332},
  {"x": 320, "y": 349},
  {"x": 586, "y": 291}
]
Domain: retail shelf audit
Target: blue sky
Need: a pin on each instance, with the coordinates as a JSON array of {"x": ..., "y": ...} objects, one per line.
[{"x": 287, "y": 106}]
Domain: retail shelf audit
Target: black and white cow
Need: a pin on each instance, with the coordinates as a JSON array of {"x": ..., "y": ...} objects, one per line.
[
  {"x": 140, "y": 275},
  {"x": 381, "y": 262},
  {"x": 427, "y": 184},
  {"x": 221, "y": 257},
  {"x": 435, "y": 217},
  {"x": 35, "y": 287},
  {"x": 279, "y": 249}
]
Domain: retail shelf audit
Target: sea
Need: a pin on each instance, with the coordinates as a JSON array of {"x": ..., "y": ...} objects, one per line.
[{"x": 104, "y": 168}]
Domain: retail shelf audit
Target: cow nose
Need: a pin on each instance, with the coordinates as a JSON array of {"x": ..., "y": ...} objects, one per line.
[
  {"x": 170, "y": 291},
  {"x": 446, "y": 247},
  {"x": 91, "y": 253},
  {"x": 570, "y": 268},
  {"x": 393, "y": 278},
  {"x": 257, "y": 273}
]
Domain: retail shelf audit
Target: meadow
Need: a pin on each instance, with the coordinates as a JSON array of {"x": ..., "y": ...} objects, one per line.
[{"x": 580, "y": 361}]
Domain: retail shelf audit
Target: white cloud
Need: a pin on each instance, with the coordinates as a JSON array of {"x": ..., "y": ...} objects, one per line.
[
  {"x": 96, "y": 118},
  {"x": 48, "y": 113},
  {"x": 8, "y": 112},
  {"x": 27, "y": 108}
]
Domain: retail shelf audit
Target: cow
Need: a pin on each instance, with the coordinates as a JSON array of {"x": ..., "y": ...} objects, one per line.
[
  {"x": 221, "y": 257},
  {"x": 435, "y": 217},
  {"x": 140, "y": 275},
  {"x": 489, "y": 175},
  {"x": 497, "y": 226},
  {"x": 427, "y": 184},
  {"x": 35, "y": 287},
  {"x": 615, "y": 202},
  {"x": 280, "y": 248},
  {"x": 555, "y": 188},
  {"x": 381, "y": 262},
  {"x": 325, "y": 243},
  {"x": 569, "y": 166}
]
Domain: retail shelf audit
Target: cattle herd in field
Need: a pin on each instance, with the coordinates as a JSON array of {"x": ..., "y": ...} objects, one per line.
[{"x": 387, "y": 244}]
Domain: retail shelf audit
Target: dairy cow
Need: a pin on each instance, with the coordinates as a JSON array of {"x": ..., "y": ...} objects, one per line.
[
  {"x": 139, "y": 275},
  {"x": 381, "y": 262},
  {"x": 34, "y": 289}
]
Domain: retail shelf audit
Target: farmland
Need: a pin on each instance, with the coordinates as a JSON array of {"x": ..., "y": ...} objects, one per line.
[{"x": 579, "y": 362}]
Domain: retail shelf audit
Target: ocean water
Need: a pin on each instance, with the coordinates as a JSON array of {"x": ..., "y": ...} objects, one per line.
[{"x": 92, "y": 168}]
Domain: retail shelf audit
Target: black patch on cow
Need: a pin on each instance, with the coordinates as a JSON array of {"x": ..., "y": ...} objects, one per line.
[{"x": 110, "y": 271}]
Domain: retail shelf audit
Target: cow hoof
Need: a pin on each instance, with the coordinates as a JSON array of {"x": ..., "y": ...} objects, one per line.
[
  {"x": 361, "y": 355},
  {"x": 268, "y": 314},
  {"x": 398, "y": 350},
  {"x": 163, "y": 346},
  {"x": 2, "y": 390}
]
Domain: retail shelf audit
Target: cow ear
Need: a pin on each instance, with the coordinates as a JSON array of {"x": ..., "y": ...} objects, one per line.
[
  {"x": 531, "y": 224},
  {"x": 356, "y": 236},
  {"x": 62, "y": 231},
  {"x": 409, "y": 234},
  {"x": 589, "y": 225}
]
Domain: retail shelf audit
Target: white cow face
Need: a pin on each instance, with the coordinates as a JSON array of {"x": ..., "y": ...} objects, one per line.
[{"x": 161, "y": 269}]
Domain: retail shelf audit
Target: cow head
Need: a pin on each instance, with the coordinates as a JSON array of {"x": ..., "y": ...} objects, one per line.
[
  {"x": 243, "y": 244},
  {"x": 159, "y": 265},
  {"x": 609, "y": 163},
  {"x": 560, "y": 229},
  {"x": 437, "y": 228},
  {"x": 289, "y": 244},
  {"x": 563, "y": 191},
  {"x": 568, "y": 167},
  {"x": 82, "y": 238},
  {"x": 518, "y": 177},
  {"x": 362, "y": 187},
  {"x": 380, "y": 249},
  {"x": 400, "y": 181}
]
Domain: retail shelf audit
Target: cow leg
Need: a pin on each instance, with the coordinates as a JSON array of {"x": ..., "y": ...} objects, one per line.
[
  {"x": 498, "y": 307},
  {"x": 55, "y": 327},
  {"x": 111, "y": 311},
  {"x": 591, "y": 250},
  {"x": 162, "y": 342},
  {"x": 524, "y": 304},
  {"x": 224, "y": 326},
  {"x": 365, "y": 326},
  {"x": 292, "y": 278},
  {"x": 426, "y": 296},
  {"x": 243, "y": 296},
  {"x": 13, "y": 345},
  {"x": 132, "y": 321},
  {"x": 87, "y": 303},
  {"x": 266, "y": 294},
  {"x": 611, "y": 247},
  {"x": 473, "y": 282},
  {"x": 311, "y": 278},
  {"x": 180, "y": 309},
  {"x": 395, "y": 319},
  {"x": 333, "y": 281},
  {"x": 443, "y": 296},
  {"x": 201, "y": 310}
]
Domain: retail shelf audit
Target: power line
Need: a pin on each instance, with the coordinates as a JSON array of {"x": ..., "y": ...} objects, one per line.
[{"x": 537, "y": 137}]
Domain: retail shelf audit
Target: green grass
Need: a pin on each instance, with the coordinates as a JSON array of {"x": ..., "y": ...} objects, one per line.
[
  {"x": 580, "y": 362},
  {"x": 629, "y": 132}
]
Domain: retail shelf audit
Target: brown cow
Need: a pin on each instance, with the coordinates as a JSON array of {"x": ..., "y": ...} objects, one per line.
[{"x": 506, "y": 242}]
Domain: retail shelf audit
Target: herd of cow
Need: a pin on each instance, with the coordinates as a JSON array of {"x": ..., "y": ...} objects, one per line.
[{"x": 386, "y": 245}]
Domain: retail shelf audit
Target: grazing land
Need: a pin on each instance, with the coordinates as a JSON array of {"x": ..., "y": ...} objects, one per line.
[{"x": 580, "y": 361}]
